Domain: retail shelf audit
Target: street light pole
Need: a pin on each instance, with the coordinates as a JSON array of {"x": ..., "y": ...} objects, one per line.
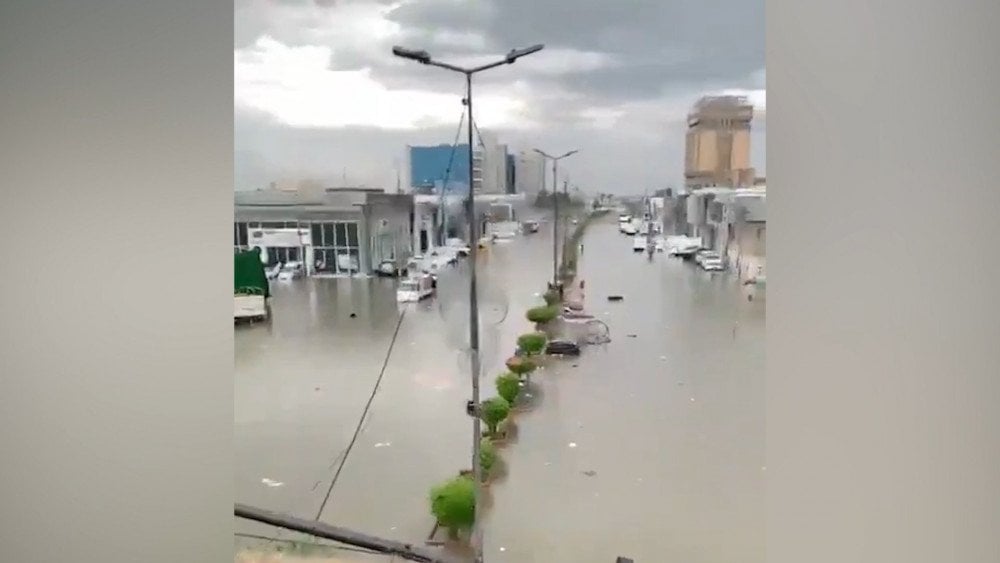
[
  {"x": 555, "y": 209},
  {"x": 470, "y": 207}
]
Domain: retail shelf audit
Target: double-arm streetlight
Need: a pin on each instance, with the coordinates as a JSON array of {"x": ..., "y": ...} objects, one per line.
[
  {"x": 423, "y": 57},
  {"x": 555, "y": 201}
]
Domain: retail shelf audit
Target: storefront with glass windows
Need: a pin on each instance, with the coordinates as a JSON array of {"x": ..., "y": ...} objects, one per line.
[{"x": 333, "y": 233}]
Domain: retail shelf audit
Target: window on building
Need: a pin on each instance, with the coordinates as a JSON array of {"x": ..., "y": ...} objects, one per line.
[
  {"x": 240, "y": 236},
  {"x": 333, "y": 251}
]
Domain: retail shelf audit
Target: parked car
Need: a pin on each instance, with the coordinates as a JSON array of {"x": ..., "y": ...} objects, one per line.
[
  {"x": 712, "y": 264},
  {"x": 387, "y": 269},
  {"x": 271, "y": 272},
  {"x": 562, "y": 348},
  {"x": 291, "y": 271},
  {"x": 704, "y": 254}
]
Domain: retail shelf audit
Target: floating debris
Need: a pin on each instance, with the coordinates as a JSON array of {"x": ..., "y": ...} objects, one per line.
[
  {"x": 663, "y": 358},
  {"x": 632, "y": 335},
  {"x": 615, "y": 298},
  {"x": 589, "y": 473},
  {"x": 383, "y": 444},
  {"x": 271, "y": 482},
  {"x": 572, "y": 444},
  {"x": 503, "y": 548}
]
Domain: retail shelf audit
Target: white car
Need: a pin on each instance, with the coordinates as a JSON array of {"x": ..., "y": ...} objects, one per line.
[
  {"x": 712, "y": 265},
  {"x": 272, "y": 271},
  {"x": 706, "y": 254},
  {"x": 290, "y": 271}
]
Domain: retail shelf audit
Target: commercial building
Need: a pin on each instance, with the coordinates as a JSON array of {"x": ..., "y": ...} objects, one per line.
[
  {"x": 717, "y": 146},
  {"x": 434, "y": 167},
  {"x": 489, "y": 165},
  {"x": 529, "y": 173},
  {"x": 335, "y": 231}
]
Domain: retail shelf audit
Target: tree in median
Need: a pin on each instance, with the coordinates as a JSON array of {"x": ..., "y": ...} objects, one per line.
[
  {"x": 508, "y": 386},
  {"x": 453, "y": 504},
  {"x": 542, "y": 315},
  {"x": 487, "y": 457},
  {"x": 493, "y": 411},
  {"x": 533, "y": 343},
  {"x": 522, "y": 366}
]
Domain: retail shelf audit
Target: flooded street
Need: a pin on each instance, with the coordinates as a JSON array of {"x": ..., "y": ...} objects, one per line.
[{"x": 650, "y": 447}]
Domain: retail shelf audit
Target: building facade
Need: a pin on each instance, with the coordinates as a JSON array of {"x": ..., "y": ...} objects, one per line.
[
  {"x": 529, "y": 174},
  {"x": 717, "y": 144},
  {"x": 338, "y": 231},
  {"x": 489, "y": 172},
  {"x": 434, "y": 167}
]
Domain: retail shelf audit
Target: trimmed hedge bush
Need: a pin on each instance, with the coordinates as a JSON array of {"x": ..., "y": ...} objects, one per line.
[
  {"x": 533, "y": 343},
  {"x": 508, "y": 386},
  {"x": 520, "y": 365},
  {"x": 453, "y": 504},
  {"x": 542, "y": 315},
  {"x": 487, "y": 457},
  {"x": 493, "y": 411},
  {"x": 551, "y": 297}
]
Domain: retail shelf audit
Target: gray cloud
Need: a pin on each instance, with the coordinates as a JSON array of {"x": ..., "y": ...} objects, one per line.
[{"x": 660, "y": 50}]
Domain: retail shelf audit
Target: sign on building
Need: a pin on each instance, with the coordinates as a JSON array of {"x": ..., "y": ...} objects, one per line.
[{"x": 279, "y": 238}]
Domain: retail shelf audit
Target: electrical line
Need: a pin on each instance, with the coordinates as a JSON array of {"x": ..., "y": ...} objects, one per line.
[{"x": 364, "y": 414}]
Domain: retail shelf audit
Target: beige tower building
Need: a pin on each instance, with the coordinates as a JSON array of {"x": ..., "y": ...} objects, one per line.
[{"x": 717, "y": 150}]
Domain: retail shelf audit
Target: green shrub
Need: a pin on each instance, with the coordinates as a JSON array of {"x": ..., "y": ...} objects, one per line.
[
  {"x": 487, "y": 457},
  {"x": 493, "y": 411},
  {"x": 453, "y": 504},
  {"x": 551, "y": 297},
  {"x": 542, "y": 315},
  {"x": 508, "y": 386},
  {"x": 533, "y": 343},
  {"x": 521, "y": 365}
]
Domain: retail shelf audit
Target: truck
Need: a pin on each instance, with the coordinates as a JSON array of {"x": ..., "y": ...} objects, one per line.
[{"x": 252, "y": 289}]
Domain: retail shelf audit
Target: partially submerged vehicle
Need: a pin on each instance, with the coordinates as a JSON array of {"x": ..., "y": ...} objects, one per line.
[
  {"x": 562, "y": 348},
  {"x": 415, "y": 288},
  {"x": 251, "y": 290}
]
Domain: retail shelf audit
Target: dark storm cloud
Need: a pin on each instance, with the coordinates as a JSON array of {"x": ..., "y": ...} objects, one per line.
[
  {"x": 657, "y": 42},
  {"x": 657, "y": 49}
]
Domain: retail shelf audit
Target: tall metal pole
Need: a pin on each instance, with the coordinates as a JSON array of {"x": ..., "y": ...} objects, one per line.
[
  {"x": 555, "y": 223},
  {"x": 470, "y": 206},
  {"x": 477, "y": 472}
]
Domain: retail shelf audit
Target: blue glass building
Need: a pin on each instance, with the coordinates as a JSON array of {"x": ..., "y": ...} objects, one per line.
[{"x": 429, "y": 166}]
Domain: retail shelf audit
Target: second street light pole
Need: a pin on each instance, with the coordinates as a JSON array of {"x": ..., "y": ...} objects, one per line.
[
  {"x": 555, "y": 209},
  {"x": 423, "y": 57}
]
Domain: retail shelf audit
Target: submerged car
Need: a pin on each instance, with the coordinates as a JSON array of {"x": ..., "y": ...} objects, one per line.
[{"x": 562, "y": 348}]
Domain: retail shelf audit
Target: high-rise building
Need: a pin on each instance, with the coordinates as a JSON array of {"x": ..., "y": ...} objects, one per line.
[
  {"x": 511, "y": 173},
  {"x": 489, "y": 173},
  {"x": 529, "y": 173},
  {"x": 717, "y": 148},
  {"x": 434, "y": 167}
]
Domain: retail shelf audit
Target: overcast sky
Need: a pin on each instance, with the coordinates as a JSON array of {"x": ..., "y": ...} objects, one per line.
[{"x": 318, "y": 94}]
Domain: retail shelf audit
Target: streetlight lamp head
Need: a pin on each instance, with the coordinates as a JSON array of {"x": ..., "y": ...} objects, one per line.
[
  {"x": 420, "y": 56},
  {"x": 515, "y": 54}
]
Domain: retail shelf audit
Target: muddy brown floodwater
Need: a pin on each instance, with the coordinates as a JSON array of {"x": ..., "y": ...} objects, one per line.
[{"x": 651, "y": 446}]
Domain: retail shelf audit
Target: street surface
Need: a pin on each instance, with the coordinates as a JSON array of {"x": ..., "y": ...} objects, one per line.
[{"x": 651, "y": 446}]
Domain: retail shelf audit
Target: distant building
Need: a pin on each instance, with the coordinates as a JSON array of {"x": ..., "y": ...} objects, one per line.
[
  {"x": 434, "y": 167},
  {"x": 511, "y": 174},
  {"x": 717, "y": 147},
  {"x": 529, "y": 173},
  {"x": 489, "y": 173}
]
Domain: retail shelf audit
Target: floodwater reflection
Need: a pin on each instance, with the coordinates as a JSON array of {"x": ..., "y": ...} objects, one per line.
[{"x": 651, "y": 474}]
